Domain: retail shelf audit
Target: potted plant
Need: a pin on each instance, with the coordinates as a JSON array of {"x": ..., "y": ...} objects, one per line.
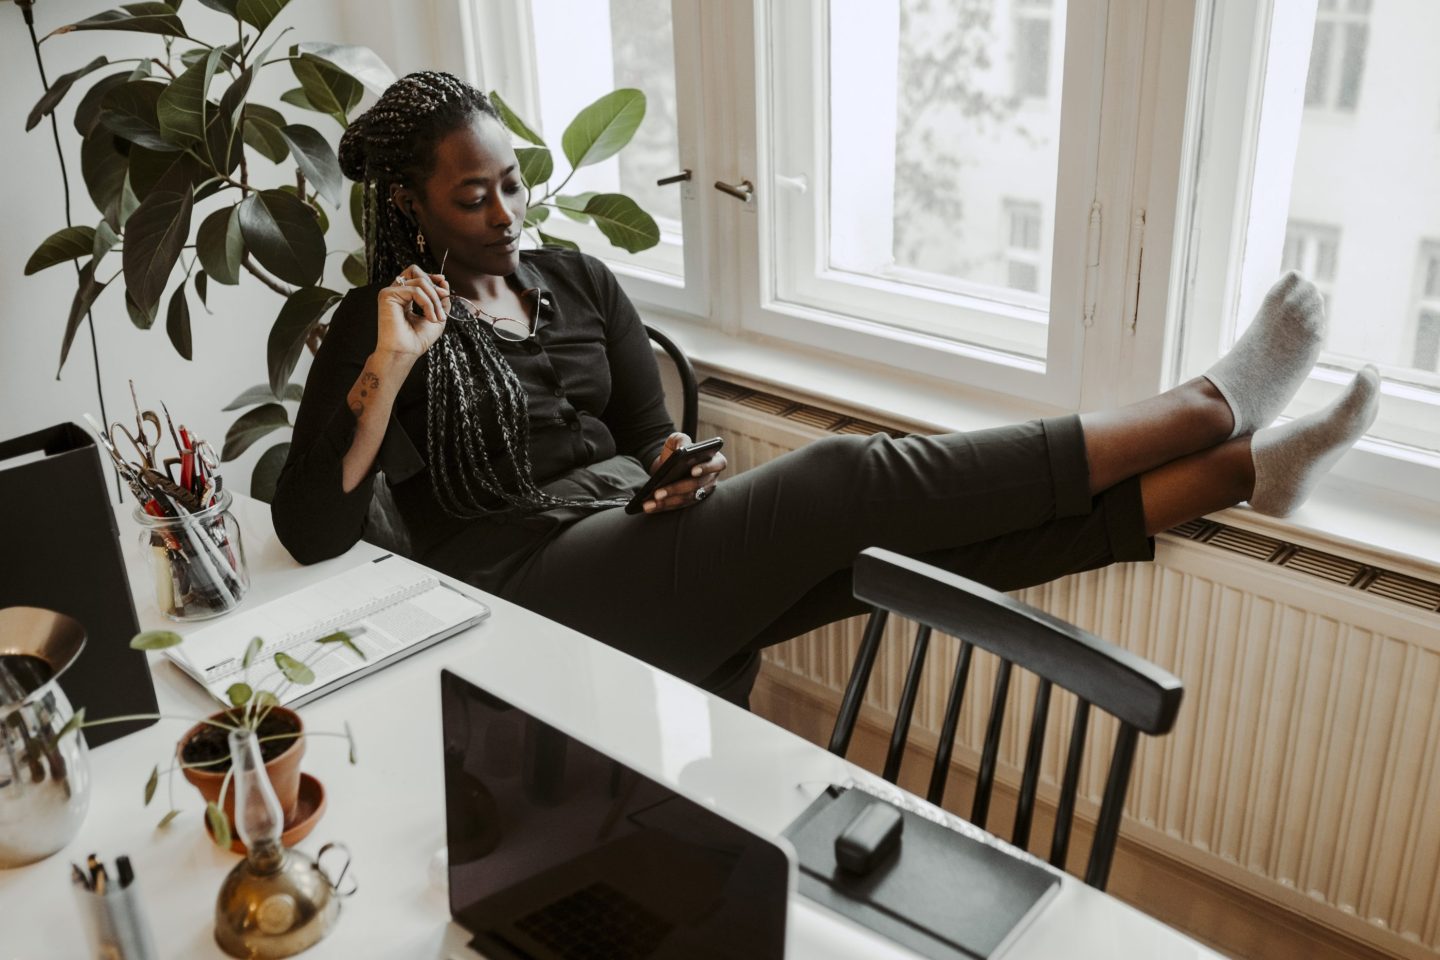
[
  {"x": 166, "y": 157},
  {"x": 202, "y": 754}
]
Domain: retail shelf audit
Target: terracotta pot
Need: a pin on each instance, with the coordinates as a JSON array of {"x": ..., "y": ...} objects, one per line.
[{"x": 284, "y": 770}]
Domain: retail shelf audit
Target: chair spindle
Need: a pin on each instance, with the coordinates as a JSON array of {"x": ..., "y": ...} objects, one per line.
[
  {"x": 1107, "y": 828},
  {"x": 905, "y": 711},
  {"x": 946, "y": 746},
  {"x": 985, "y": 780},
  {"x": 1025, "y": 806},
  {"x": 1065, "y": 813},
  {"x": 859, "y": 680}
]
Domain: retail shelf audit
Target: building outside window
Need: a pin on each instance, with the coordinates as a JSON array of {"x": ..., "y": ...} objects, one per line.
[
  {"x": 1337, "y": 55},
  {"x": 1314, "y": 250},
  {"x": 1022, "y": 245},
  {"x": 1032, "y": 48},
  {"x": 1426, "y": 352}
]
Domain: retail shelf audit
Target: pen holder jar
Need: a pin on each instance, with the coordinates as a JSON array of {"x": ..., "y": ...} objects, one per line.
[{"x": 196, "y": 560}]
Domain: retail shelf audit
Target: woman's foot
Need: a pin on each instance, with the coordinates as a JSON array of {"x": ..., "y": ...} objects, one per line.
[
  {"x": 1291, "y": 458},
  {"x": 1262, "y": 372}
]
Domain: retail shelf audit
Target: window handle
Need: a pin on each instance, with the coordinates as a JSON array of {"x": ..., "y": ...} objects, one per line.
[
  {"x": 680, "y": 177},
  {"x": 743, "y": 191}
]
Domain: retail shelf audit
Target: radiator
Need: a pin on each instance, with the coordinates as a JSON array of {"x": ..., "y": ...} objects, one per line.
[{"x": 1303, "y": 765}]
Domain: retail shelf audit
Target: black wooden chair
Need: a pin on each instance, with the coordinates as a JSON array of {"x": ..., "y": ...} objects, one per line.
[
  {"x": 1144, "y": 698},
  {"x": 385, "y": 529}
]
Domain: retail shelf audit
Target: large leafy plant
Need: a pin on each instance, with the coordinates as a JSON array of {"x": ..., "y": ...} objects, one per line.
[{"x": 166, "y": 150}]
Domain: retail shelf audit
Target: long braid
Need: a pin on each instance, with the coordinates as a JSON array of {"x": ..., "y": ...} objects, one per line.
[{"x": 394, "y": 143}]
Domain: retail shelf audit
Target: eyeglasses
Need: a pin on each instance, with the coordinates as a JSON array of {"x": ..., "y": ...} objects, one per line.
[{"x": 506, "y": 328}]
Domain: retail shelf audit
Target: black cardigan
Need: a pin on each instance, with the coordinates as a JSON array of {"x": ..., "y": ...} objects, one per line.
[{"x": 596, "y": 414}]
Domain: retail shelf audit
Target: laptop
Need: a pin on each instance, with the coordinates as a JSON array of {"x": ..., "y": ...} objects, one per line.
[{"x": 558, "y": 851}]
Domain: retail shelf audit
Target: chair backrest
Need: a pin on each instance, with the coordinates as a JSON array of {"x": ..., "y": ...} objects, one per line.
[
  {"x": 1143, "y": 697},
  {"x": 384, "y": 526}
]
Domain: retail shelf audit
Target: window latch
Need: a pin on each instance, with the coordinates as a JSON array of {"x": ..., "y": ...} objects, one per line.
[
  {"x": 743, "y": 191},
  {"x": 680, "y": 177}
]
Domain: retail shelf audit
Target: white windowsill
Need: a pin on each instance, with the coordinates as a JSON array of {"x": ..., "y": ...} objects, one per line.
[{"x": 1343, "y": 517}]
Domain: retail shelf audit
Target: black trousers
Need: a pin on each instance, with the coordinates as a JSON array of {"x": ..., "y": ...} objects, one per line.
[{"x": 698, "y": 592}]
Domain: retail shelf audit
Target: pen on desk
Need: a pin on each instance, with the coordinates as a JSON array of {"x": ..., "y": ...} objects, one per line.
[
  {"x": 78, "y": 876},
  {"x": 101, "y": 880},
  {"x": 126, "y": 872}
]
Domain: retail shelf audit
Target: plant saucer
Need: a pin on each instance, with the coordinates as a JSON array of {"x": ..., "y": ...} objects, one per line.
[{"x": 308, "y": 811}]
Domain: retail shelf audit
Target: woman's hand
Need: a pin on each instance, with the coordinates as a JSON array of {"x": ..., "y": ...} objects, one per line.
[
  {"x": 692, "y": 489},
  {"x": 412, "y": 312}
]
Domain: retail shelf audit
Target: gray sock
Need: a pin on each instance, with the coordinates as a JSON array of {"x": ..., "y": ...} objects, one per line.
[
  {"x": 1292, "y": 457},
  {"x": 1261, "y": 373}
]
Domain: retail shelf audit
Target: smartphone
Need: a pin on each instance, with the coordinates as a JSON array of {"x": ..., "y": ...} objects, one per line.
[{"x": 676, "y": 467}]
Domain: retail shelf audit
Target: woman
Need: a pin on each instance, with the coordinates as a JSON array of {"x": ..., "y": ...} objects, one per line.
[{"x": 507, "y": 456}]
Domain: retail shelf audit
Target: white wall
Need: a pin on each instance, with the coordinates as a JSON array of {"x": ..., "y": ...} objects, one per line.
[{"x": 229, "y": 344}]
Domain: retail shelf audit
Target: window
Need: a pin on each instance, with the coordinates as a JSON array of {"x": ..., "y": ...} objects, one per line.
[
  {"x": 1425, "y": 353},
  {"x": 1032, "y": 48},
  {"x": 1022, "y": 245},
  {"x": 556, "y": 56},
  {"x": 1337, "y": 54},
  {"x": 1313, "y": 250}
]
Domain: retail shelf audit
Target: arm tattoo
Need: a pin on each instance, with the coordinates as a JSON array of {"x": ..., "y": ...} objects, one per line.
[
  {"x": 369, "y": 380},
  {"x": 357, "y": 408}
]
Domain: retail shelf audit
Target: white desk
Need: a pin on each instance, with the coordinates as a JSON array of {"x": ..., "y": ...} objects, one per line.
[{"x": 389, "y": 808}]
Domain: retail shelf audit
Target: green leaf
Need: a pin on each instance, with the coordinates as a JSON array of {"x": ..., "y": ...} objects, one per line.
[
  {"x": 182, "y": 107},
  {"x": 623, "y": 222},
  {"x": 512, "y": 121},
  {"x": 76, "y": 721},
  {"x": 316, "y": 160},
  {"x": 340, "y": 636},
  {"x": 302, "y": 310},
  {"x": 85, "y": 295},
  {"x": 87, "y": 111},
  {"x": 154, "y": 236},
  {"x": 350, "y": 738},
  {"x": 150, "y": 171},
  {"x": 354, "y": 268},
  {"x": 536, "y": 215},
  {"x": 105, "y": 239},
  {"x": 71, "y": 243},
  {"x": 223, "y": 138},
  {"x": 47, "y": 104},
  {"x": 265, "y": 699},
  {"x": 259, "y": 13},
  {"x": 360, "y": 63},
  {"x": 202, "y": 284},
  {"x": 141, "y": 315},
  {"x": 294, "y": 670},
  {"x": 357, "y": 209},
  {"x": 262, "y": 132},
  {"x": 261, "y": 393},
  {"x": 551, "y": 241},
  {"x": 536, "y": 165},
  {"x": 295, "y": 96},
  {"x": 131, "y": 112},
  {"x": 151, "y": 784},
  {"x": 177, "y": 323},
  {"x": 220, "y": 246},
  {"x": 316, "y": 211},
  {"x": 156, "y": 640},
  {"x": 251, "y": 648},
  {"x": 239, "y": 694},
  {"x": 573, "y": 206},
  {"x": 284, "y": 235},
  {"x": 103, "y": 168},
  {"x": 327, "y": 90},
  {"x": 601, "y": 129},
  {"x": 141, "y": 71},
  {"x": 224, "y": 6},
  {"x": 219, "y": 825},
  {"x": 165, "y": 820},
  {"x": 251, "y": 426},
  {"x": 151, "y": 17},
  {"x": 266, "y": 475}
]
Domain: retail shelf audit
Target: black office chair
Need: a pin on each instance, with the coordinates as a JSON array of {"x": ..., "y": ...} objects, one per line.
[
  {"x": 383, "y": 526},
  {"x": 1139, "y": 694}
]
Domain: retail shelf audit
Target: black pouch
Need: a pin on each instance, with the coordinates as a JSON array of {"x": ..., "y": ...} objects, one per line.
[{"x": 57, "y": 528}]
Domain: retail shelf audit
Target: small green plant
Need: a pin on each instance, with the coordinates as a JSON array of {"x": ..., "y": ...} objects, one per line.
[{"x": 249, "y": 709}]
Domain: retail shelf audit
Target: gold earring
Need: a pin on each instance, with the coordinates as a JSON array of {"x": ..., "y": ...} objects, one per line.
[{"x": 420, "y": 240}]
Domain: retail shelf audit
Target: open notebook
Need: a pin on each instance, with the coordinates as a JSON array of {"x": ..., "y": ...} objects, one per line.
[{"x": 401, "y": 606}]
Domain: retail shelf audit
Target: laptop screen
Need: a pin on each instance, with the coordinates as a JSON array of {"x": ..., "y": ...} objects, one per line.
[{"x": 559, "y": 851}]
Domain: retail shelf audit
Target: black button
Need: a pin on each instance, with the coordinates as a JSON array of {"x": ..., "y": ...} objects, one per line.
[{"x": 559, "y": 392}]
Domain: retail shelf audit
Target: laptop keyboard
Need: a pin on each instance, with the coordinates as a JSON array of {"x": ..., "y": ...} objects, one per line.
[{"x": 596, "y": 921}]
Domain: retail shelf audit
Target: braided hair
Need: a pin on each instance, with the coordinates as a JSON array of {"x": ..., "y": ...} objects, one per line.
[{"x": 394, "y": 143}]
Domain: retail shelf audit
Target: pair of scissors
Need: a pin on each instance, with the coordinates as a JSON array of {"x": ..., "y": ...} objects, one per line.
[{"x": 140, "y": 440}]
